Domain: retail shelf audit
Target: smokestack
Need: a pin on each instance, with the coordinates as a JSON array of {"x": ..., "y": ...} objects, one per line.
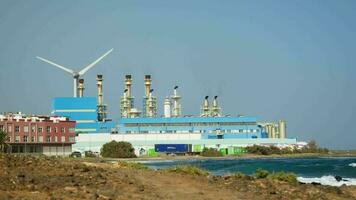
[
  {"x": 177, "y": 109},
  {"x": 128, "y": 83},
  {"x": 205, "y": 108},
  {"x": 99, "y": 83},
  {"x": 101, "y": 106},
  {"x": 81, "y": 88},
  {"x": 215, "y": 109},
  {"x": 147, "y": 84},
  {"x": 167, "y": 107}
]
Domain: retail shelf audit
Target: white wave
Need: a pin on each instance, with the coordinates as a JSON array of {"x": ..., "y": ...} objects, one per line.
[
  {"x": 328, "y": 180},
  {"x": 352, "y": 164}
]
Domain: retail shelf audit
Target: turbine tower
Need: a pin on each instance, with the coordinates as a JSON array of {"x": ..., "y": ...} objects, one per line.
[{"x": 76, "y": 74}]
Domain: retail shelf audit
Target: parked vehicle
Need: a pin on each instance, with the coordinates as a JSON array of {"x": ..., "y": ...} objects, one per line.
[{"x": 76, "y": 154}]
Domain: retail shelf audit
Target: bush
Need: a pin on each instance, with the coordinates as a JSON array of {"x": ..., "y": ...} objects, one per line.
[
  {"x": 115, "y": 149},
  {"x": 187, "y": 169},
  {"x": 132, "y": 165},
  {"x": 260, "y": 173},
  {"x": 283, "y": 176},
  {"x": 210, "y": 152},
  {"x": 239, "y": 175}
]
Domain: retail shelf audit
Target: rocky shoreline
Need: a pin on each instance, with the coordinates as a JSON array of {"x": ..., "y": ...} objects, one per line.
[{"x": 27, "y": 177}]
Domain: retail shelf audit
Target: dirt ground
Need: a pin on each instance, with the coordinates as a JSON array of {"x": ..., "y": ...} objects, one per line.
[{"x": 26, "y": 177}]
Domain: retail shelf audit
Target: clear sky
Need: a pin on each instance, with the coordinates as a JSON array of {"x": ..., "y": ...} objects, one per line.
[{"x": 292, "y": 60}]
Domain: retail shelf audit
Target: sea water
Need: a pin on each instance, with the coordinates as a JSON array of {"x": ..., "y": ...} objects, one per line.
[{"x": 314, "y": 169}]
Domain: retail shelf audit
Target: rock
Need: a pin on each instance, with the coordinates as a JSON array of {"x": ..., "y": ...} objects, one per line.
[
  {"x": 71, "y": 189},
  {"x": 338, "y": 178}
]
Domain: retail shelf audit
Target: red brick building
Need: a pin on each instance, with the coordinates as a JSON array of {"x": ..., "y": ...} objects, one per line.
[{"x": 49, "y": 135}]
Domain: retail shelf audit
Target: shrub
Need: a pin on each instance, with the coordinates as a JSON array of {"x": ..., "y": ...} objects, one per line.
[
  {"x": 210, "y": 152},
  {"x": 115, "y": 149},
  {"x": 132, "y": 165},
  {"x": 283, "y": 176},
  {"x": 187, "y": 169},
  {"x": 239, "y": 175},
  {"x": 89, "y": 154},
  {"x": 260, "y": 173}
]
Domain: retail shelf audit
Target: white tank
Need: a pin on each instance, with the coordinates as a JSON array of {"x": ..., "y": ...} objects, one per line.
[
  {"x": 167, "y": 107},
  {"x": 282, "y": 129}
]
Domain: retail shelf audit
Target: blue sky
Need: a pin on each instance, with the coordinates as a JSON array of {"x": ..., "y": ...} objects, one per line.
[{"x": 291, "y": 60}]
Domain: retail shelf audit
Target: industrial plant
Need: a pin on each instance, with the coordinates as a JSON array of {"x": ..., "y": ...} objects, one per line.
[{"x": 172, "y": 132}]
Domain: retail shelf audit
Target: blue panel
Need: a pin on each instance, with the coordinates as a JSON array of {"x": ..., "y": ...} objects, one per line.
[
  {"x": 70, "y": 103},
  {"x": 78, "y": 115},
  {"x": 187, "y": 120}
]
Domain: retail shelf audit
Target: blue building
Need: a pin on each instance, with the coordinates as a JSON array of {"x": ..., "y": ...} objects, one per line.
[
  {"x": 208, "y": 127},
  {"x": 82, "y": 110}
]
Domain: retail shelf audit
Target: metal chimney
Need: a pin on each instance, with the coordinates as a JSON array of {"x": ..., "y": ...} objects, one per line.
[
  {"x": 215, "y": 109},
  {"x": 205, "y": 111},
  {"x": 282, "y": 129},
  {"x": 101, "y": 106},
  {"x": 167, "y": 107},
  {"x": 177, "y": 109},
  {"x": 147, "y": 84},
  {"x": 128, "y": 83},
  {"x": 81, "y": 88}
]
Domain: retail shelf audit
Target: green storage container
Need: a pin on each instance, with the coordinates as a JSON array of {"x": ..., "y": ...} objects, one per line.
[
  {"x": 152, "y": 153},
  {"x": 230, "y": 151},
  {"x": 197, "y": 148},
  {"x": 223, "y": 151}
]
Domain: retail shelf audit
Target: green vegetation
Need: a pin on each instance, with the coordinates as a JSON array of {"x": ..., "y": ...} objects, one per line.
[
  {"x": 284, "y": 176},
  {"x": 132, "y": 165},
  {"x": 260, "y": 173},
  {"x": 210, "y": 152},
  {"x": 288, "y": 177},
  {"x": 187, "y": 169},
  {"x": 239, "y": 175},
  {"x": 115, "y": 149},
  {"x": 312, "y": 147},
  {"x": 3, "y": 140}
]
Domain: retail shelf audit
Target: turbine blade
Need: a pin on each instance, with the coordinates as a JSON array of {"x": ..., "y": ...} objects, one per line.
[
  {"x": 83, "y": 71},
  {"x": 56, "y": 65}
]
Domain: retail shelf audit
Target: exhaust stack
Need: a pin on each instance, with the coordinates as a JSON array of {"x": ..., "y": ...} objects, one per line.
[
  {"x": 167, "y": 107},
  {"x": 215, "y": 109},
  {"x": 101, "y": 106},
  {"x": 149, "y": 101},
  {"x": 127, "y": 100},
  {"x": 81, "y": 88},
  {"x": 205, "y": 110},
  {"x": 177, "y": 109}
]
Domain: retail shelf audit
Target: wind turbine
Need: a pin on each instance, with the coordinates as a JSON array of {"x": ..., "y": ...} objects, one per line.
[{"x": 76, "y": 74}]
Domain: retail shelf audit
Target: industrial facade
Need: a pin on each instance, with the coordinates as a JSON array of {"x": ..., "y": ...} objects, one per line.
[{"x": 49, "y": 135}]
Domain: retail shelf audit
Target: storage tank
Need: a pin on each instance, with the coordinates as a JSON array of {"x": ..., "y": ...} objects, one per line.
[{"x": 282, "y": 129}]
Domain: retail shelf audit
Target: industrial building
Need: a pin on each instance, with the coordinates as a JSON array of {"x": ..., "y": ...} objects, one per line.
[
  {"x": 49, "y": 135},
  {"x": 144, "y": 129}
]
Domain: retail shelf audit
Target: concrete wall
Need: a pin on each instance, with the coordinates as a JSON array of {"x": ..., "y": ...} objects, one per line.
[{"x": 57, "y": 150}]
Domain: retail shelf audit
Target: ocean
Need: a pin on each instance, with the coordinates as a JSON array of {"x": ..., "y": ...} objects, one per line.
[{"x": 314, "y": 169}]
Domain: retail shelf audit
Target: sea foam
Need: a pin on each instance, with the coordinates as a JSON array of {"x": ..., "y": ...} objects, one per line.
[
  {"x": 328, "y": 180},
  {"x": 352, "y": 164}
]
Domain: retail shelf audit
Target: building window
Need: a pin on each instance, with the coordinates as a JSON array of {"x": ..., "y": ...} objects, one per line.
[
  {"x": 48, "y": 139},
  {"x": 40, "y": 138},
  {"x": 40, "y": 129},
  {"x": 9, "y": 128},
  {"x": 56, "y": 139},
  {"x": 32, "y": 138},
  {"x": 25, "y": 138},
  {"x": 17, "y": 138},
  {"x": 71, "y": 139},
  {"x": 71, "y": 130},
  {"x": 63, "y": 138},
  {"x": 55, "y": 129},
  {"x": 17, "y": 129},
  {"x": 25, "y": 129},
  {"x": 48, "y": 129},
  {"x": 62, "y": 129},
  {"x": 33, "y": 129}
]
